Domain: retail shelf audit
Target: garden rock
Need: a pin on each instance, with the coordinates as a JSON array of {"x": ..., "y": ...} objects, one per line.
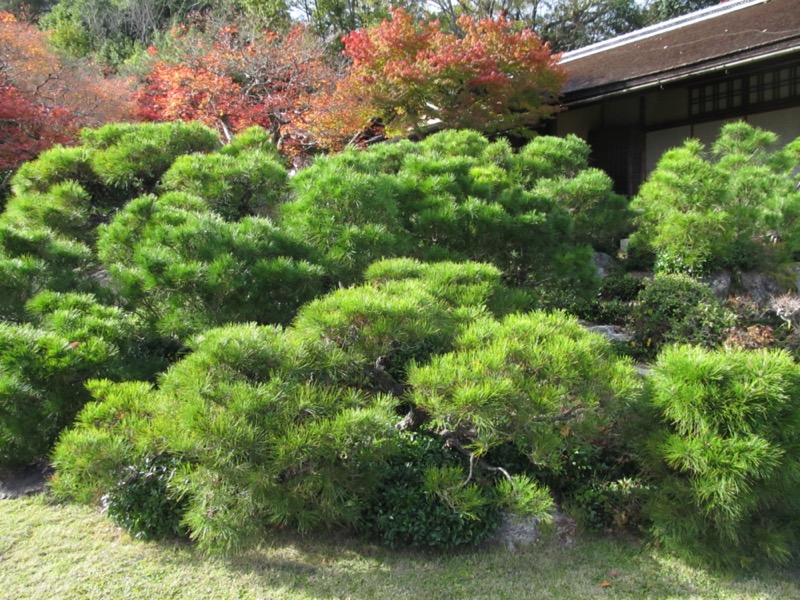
[
  {"x": 23, "y": 482},
  {"x": 603, "y": 263},
  {"x": 612, "y": 333},
  {"x": 720, "y": 283},
  {"x": 759, "y": 286},
  {"x": 517, "y": 532}
]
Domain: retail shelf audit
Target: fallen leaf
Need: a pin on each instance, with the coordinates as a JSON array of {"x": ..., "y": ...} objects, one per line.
[{"x": 605, "y": 583}]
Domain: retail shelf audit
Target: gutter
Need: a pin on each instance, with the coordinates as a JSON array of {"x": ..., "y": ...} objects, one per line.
[{"x": 668, "y": 80}]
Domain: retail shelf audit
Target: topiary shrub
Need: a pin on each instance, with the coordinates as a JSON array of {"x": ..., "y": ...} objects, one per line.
[
  {"x": 677, "y": 309},
  {"x": 516, "y": 393},
  {"x": 133, "y": 157},
  {"x": 383, "y": 328},
  {"x": 65, "y": 209},
  {"x": 43, "y": 367},
  {"x": 524, "y": 381},
  {"x": 352, "y": 218},
  {"x": 277, "y": 427},
  {"x": 248, "y": 184},
  {"x": 263, "y": 438},
  {"x": 722, "y": 454},
  {"x": 37, "y": 259},
  {"x": 55, "y": 166},
  {"x": 457, "y": 197},
  {"x": 459, "y": 285}
]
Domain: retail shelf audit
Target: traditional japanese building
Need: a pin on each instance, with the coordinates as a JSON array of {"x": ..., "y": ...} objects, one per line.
[{"x": 634, "y": 96}]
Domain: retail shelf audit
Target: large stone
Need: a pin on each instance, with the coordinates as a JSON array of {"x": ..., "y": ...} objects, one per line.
[
  {"x": 759, "y": 286},
  {"x": 603, "y": 263},
  {"x": 24, "y": 482},
  {"x": 611, "y": 332},
  {"x": 720, "y": 283}
]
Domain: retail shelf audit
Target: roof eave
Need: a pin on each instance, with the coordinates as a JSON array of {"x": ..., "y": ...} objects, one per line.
[{"x": 584, "y": 96}]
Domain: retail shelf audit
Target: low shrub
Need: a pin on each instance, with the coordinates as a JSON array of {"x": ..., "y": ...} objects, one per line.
[
  {"x": 142, "y": 501},
  {"x": 43, "y": 367},
  {"x": 735, "y": 207},
  {"x": 677, "y": 309},
  {"x": 528, "y": 380},
  {"x": 405, "y": 511}
]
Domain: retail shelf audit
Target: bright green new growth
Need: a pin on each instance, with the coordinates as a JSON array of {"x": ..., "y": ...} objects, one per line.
[
  {"x": 738, "y": 210},
  {"x": 525, "y": 381},
  {"x": 724, "y": 455},
  {"x": 43, "y": 367},
  {"x": 456, "y": 196}
]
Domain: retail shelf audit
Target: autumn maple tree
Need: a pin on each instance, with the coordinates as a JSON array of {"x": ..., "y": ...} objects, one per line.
[
  {"x": 43, "y": 99},
  {"x": 409, "y": 74},
  {"x": 230, "y": 79}
]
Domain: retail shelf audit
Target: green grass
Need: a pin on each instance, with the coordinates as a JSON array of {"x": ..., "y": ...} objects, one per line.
[{"x": 63, "y": 551}]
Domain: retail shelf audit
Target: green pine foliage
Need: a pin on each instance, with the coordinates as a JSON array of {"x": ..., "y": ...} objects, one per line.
[
  {"x": 188, "y": 268},
  {"x": 262, "y": 437},
  {"x": 735, "y": 208},
  {"x": 43, "y": 367},
  {"x": 35, "y": 259},
  {"x": 252, "y": 183},
  {"x": 133, "y": 157},
  {"x": 458, "y": 197},
  {"x": 528, "y": 380},
  {"x": 723, "y": 452},
  {"x": 298, "y": 427},
  {"x": 351, "y": 217}
]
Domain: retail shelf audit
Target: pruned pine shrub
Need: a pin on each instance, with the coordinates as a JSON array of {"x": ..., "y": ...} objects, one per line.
[
  {"x": 528, "y": 380},
  {"x": 515, "y": 394},
  {"x": 55, "y": 166},
  {"x": 253, "y": 139},
  {"x": 262, "y": 437},
  {"x": 133, "y": 157},
  {"x": 188, "y": 269},
  {"x": 455, "y": 196},
  {"x": 250, "y": 183},
  {"x": 43, "y": 368},
  {"x": 33, "y": 259},
  {"x": 723, "y": 454},
  {"x": 352, "y": 218},
  {"x": 272, "y": 427},
  {"x": 735, "y": 207},
  {"x": 382, "y": 328}
]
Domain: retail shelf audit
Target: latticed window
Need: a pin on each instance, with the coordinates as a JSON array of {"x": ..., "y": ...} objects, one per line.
[
  {"x": 778, "y": 84},
  {"x": 773, "y": 86},
  {"x": 717, "y": 96}
]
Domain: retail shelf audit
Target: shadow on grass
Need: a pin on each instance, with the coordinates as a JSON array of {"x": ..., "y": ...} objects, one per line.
[{"x": 319, "y": 567}]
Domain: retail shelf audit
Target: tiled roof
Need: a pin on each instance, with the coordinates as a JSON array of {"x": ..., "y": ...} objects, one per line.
[{"x": 714, "y": 38}]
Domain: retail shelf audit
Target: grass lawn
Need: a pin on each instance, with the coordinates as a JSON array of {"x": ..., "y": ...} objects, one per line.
[{"x": 62, "y": 551}]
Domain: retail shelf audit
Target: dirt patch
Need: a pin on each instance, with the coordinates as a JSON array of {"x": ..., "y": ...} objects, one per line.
[{"x": 24, "y": 482}]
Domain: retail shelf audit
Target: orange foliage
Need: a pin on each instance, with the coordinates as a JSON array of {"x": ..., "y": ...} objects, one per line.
[
  {"x": 45, "y": 78},
  {"x": 230, "y": 80},
  {"x": 408, "y": 74},
  {"x": 44, "y": 100}
]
